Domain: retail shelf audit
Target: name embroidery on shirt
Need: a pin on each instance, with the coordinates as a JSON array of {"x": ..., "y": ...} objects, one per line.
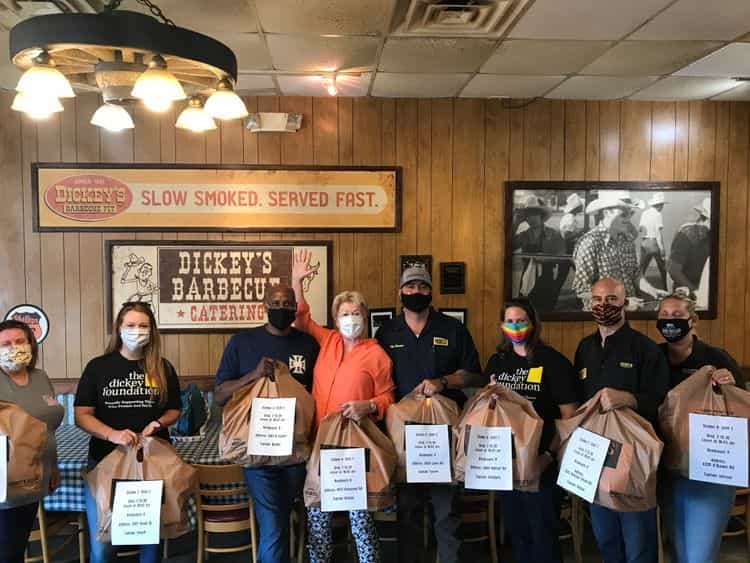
[
  {"x": 626, "y": 365},
  {"x": 394, "y": 346},
  {"x": 438, "y": 341}
]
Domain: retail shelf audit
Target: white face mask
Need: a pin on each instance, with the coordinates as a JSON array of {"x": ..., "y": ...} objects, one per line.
[
  {"x": 135, "y": 339},
  {"x": 15, "y": 358},
  {"x": 351, "y": 326}
]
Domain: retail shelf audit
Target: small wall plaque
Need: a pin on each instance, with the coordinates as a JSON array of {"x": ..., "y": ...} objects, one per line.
[{"x": 452, "y": 277}]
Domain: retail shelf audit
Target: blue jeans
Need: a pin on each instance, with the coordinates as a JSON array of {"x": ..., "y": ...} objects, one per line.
[
  {"x": 274, "y": 489},
  {"x": 700, "y": 512},
  {"x": 533, "y": 521},
  {"x": 625, "y": 537},
  {"x": 15, "y": 526},
  {"x": 105, "y": 552}
]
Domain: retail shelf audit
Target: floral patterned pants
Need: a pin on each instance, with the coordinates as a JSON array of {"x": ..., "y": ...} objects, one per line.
[{"x": 320, "y": 536}]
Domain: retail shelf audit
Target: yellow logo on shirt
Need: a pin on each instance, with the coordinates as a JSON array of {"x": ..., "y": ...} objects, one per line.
[
  {"x": 148, "y": 382},
  {"x": 582, "y": 374},
  {"x": 438, "y": 341},
  {"x": 535, "y": 375},
  {"x": 626, "y": 365}
]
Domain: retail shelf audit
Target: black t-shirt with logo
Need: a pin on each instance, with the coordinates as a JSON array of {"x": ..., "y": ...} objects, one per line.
[
  {"x": 702, "y": 355},
  {"x": 547, "y": 380},
  {"x": 123, "y": 397}
]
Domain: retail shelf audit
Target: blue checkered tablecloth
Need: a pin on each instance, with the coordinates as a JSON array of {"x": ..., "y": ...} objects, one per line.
[{"x": 72, "y": 456}]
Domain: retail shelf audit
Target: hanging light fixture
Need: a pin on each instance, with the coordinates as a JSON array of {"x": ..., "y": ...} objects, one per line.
[
  {"x": 106, "y": 53},
  {"x": 112, "y": 117},
  {"x": 224, "y": 103},
  {"x": 194, "y": 118},
  {"x": 330, "y": 83}
]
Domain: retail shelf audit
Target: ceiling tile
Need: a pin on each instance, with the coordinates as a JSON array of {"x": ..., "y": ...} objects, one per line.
[
  {"x": 428, "y": 54},
  {"x": 732, "y": 60},
  {"x": 599, "y": 87},
  {"x": 536, "y": 57},
  {"x": 255, "y": 84},
  {"x": 699, "y": 19},
  {"x": 249, "y": 48},
  {"x": 227, "y": 16},
  {"x": 326, "y": 54},
  {"x": 649, "y": 58},
  {"x": 341, "y": 17},
  {"x": 494, "y": 85},
  {"x": 351, "y": 86},
  {"x": 584, "y": 19},
  {"x": 391, "y": 85},
  {"x": 685, "y": 88},
  {"x": 739, "y": 94}
]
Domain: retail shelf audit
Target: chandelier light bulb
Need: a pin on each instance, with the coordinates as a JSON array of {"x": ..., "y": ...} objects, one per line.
[
  {"x": 158, "y": 87},
  {"x": 194, "y": 118},
  {"x": 224, "y": 103},
  {"x": 112, "y": 118},
  {"x": 44, "y": 79},
  {"x": 35, "y": 106}
]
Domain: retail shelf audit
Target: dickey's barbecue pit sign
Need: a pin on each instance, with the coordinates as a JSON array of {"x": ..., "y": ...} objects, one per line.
[
  {"x": 128, "y": 197},
  {"x": 200, "y": 286}
]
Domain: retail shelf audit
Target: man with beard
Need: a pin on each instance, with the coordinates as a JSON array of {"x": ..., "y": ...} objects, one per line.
[
  {"x": 431, "y": 353},
  {"x": 248, "y": 356},
  {"x": 631, "y": 372}
]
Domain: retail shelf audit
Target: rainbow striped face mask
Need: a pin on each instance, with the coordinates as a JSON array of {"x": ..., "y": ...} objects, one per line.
[{"x": 517, "y": 333}]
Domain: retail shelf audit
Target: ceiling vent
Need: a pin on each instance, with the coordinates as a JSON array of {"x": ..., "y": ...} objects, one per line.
[
  {"x": 457, "y": 18},
  {"x": 266, "y": 122}
]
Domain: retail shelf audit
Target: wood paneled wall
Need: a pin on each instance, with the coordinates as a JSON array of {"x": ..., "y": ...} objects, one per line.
[{"x": 455, "y": 154}]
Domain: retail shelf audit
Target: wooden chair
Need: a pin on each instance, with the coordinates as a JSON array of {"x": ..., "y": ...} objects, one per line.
[
  {"x": 223, "y": 518},
  {"x": 56, "y": 524},
  {"x": 741, "y": 514},
  {"x": 478, "y": 508}
]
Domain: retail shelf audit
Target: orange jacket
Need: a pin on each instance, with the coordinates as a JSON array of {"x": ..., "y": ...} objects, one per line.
[{"x": 363, "y": 374}]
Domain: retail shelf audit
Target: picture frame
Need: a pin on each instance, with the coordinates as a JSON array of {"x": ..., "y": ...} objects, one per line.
[
  {"x": 452, "y": 278},
  {"x": 656, "y": 237},
  {"x": 458, "y": 314},
  {"x": 211, "y": 286},
  {"x": 379, "y": 316}
]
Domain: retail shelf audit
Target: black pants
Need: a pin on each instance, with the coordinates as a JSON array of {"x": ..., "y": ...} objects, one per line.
[
  {"x": 15, "y": 527},
  {"x": 411, "y": 502}
]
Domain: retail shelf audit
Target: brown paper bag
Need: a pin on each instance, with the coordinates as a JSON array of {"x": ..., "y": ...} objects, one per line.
[
  {"x": 628, "y": 479},
  {"x": 151, "y": 460},
  {"x": 338, "y": 431},
  {"x": 695, "y": 395},
  {"x": 418, "y": 409},
  {"x": 236, "y": 419},
  {"x": 497, "y": 405},
  {"x": 27, "y": 439}
]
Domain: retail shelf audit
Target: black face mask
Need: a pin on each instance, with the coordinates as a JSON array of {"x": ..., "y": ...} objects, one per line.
[
  {"x": 416, "y": 302},
  {"x": 673, "y": 330},
  {"x": 281, "y": 318}
]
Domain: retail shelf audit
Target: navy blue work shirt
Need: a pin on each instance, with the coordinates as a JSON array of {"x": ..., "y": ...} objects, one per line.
[
  {"x": 443, "y": 347},
  {"x": 246, "y": 348}
]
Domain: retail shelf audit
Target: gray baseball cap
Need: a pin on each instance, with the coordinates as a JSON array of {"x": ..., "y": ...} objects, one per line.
[{"x": 416, "y": 273}]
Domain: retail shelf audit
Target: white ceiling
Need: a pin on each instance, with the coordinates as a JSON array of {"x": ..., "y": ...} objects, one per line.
[{"x": 573, "y": 49}]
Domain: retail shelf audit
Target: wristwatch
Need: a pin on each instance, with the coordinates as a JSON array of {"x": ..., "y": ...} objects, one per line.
[
  {"x": 373, "y": 407},
  {"x": 444, "y": 382},
  {"x": 159, "y": 422}
]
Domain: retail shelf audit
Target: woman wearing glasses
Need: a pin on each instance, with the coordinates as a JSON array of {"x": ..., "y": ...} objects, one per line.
[
  {"x": 352, "y": 375},
  {"x": 128, "y": 392}
]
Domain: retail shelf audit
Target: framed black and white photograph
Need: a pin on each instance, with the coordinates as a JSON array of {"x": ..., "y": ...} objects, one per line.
[
  {"x": 458, "y": 314},
  {"x": 380, "y": 316},
  {"x": 655, "y": 237}
]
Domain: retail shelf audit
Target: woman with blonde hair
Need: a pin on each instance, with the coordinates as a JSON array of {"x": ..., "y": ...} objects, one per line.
[
  {"x": 700, "y": 510},
  {"x": 352, "y": 375},
  {"x": 129, "y": 392}
]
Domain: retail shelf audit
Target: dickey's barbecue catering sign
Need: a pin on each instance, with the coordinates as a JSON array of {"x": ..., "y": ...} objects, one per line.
[
  {"x": 162, "y": 197},
  {"x": 210, "y": 286}
]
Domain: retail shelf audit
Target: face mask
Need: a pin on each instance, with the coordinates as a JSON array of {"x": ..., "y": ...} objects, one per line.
[
  {"x": 135, "y": 338},
  {"x": 15, "y": 358},
  {"x": 673, "y": 330},
  {"x": 281, "y": 318},
  {"x": 351, "y": 326},
  {"x": 416, "y": 302},
  {"x": 517, "y": 333},
  {"x": 606, "y": 314}
]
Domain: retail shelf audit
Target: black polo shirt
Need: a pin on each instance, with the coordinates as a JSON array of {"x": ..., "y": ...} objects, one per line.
[
  {"x": 629, "y": 361},
  {"x": 443, "y": 347},
  {"x": 702, "y": 355}
]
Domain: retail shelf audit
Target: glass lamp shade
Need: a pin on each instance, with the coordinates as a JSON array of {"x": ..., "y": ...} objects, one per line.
[
  {"x": 224, "y": 103},
  {"x": 36, "y": 107},
  {"x": 158, "y": 105},
  {"x": 158, "y": 88},
  {"x": 112, "y": 118},
  {"x": 46, "y": 80},
  {"x": 194, "y": 118}
]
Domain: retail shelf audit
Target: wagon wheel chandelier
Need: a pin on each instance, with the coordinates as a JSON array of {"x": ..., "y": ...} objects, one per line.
[{"x": 129, "y": 58}]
